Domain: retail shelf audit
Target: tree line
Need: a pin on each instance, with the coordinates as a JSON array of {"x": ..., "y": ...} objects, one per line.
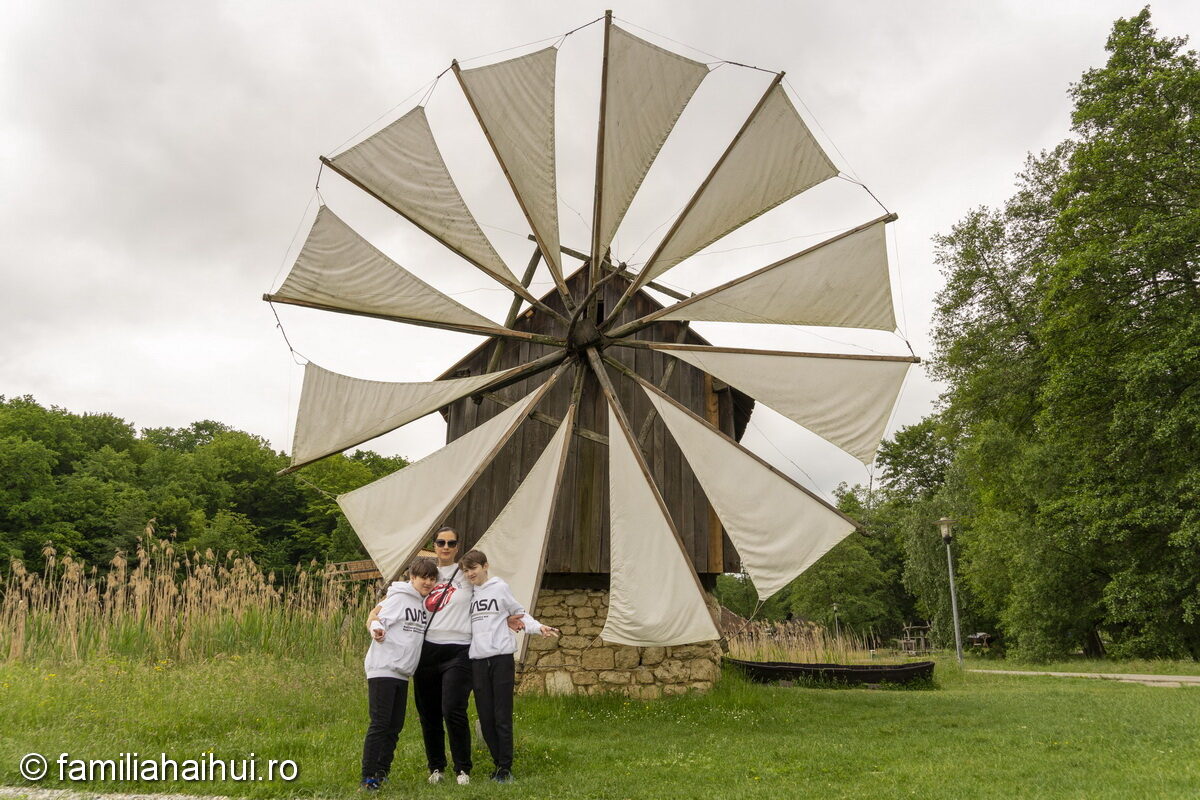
[{"x": 1066, "y": 444}]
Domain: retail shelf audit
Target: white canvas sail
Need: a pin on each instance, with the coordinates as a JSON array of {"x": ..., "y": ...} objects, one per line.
[
  {"x": 845, "y": 401},
  {"x": 393, "y": 515},
  {"x": 653, "y": 598},
  {"x": 842, "y": 284},
  {"x": 639, "y": 115},
  {"x": 338, "y": 411},
  {"x": 774, "y": 160},
  {"x": 514, "y": 100},
  {"x": 403, "y": 166},
  {"x": 779, "y": 529},
  {"x": 340, "y": 269},
  {"x": 515, "y": 542}
]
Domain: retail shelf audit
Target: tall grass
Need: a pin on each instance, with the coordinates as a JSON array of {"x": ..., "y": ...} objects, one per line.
[
  {"x": 805, "y": 643},
  {"x": 163, "y": 604}
]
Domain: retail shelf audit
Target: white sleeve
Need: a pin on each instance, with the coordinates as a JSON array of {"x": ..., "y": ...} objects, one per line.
[
  {"x": 509, "y": 602},
  {"x": 389, "y": 611},
  {"x": 532, "y": 626}
]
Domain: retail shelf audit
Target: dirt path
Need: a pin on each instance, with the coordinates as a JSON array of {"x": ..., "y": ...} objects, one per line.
[
  {"x": 32, "y": 793},
  {"x": 1173, "y": 681}
]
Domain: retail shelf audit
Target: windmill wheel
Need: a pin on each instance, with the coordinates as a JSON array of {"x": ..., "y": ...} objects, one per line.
[{"x": 587, "y": 341}]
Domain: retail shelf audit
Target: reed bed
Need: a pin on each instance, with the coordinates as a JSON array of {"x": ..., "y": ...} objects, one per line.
[
  {"x": 167, "y": 605},
  {"x": 805, "y": 642}
]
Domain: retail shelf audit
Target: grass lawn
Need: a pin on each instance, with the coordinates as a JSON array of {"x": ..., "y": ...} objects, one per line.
[{"x": 971, "y": 736}]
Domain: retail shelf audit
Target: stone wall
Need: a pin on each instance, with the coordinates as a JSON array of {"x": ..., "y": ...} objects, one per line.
[{"x": 579, "y": 662}]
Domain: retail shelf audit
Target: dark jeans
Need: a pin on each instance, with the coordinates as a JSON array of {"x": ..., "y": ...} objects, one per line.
[
  {"x": 386, "y": 698},
  {"x": 441, "y": 689},
  {"x": 494, "y": 679}
]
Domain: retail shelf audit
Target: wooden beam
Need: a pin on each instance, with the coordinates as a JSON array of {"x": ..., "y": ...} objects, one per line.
[
  {"x": 584, "y": 433},
  {"x": 628, "y": 373},
  {"x": 645, "y": 275},
  {"x": 648, "y": 423},
  {"x": 507, "y": 378},
  {"x": 514, "y": 309},
  {"x": 511, "y": 284},
  {"x": 623, "y": 270},
  {"x": 610, "y": 393},
  {"x": 640, "y": 344},
  {"x": 556, "y": 273},
  {"x": 540, "y": 393},
  {"x": 638, "y": 324},
  {"x": 476, "y": 330},
  {"x": 594, "y": 272}
]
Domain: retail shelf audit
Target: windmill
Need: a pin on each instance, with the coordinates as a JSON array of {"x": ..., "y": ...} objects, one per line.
[{"x": 593, "y": 437}]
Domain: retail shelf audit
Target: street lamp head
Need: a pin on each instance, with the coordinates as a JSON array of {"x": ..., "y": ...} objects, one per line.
[{"x": 946, "y": 525}]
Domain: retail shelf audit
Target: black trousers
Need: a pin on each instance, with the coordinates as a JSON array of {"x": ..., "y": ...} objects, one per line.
[
  {"x": 494, "y": 679},
  {"x": 386, "y": 699},
  {"x": 441, "y": 689}
]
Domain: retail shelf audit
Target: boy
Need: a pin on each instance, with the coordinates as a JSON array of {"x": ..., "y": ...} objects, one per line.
[
  {"x": 397, "y": 633},
  {"x": 492, "y": 667}
]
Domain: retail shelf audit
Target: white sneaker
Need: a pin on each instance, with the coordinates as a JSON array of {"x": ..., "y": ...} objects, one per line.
[
  {"x": 435, "y": 776},
  {"x": 463, "y": 779}
]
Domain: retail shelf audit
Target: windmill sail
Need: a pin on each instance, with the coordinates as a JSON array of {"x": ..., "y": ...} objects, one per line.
[
  {"x": 653, "y": 595},
  {"x": 846, "y": 401},
  {"x": 639, "y": 115},
  {"x": 404, "y": 168},
  {"x": 778, "y": 528},
  {"x": 514, "y": 101},
  {"x": 337, "y": 411},
  {"x": 395, "y": 514},
  {"x": 844, "y": 283},
  {"x": 515, "y": 543},
  {"x": 774, "y": 159},
  {"x": 338, "y": 269}
]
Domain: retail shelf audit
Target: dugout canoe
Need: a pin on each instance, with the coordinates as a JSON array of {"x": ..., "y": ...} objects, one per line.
[{"x": 854, "y": 674}]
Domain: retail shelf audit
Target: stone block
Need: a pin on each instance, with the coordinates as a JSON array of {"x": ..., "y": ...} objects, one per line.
[
  {"x": 650, "y": 692},
  {"x": 575, "y": 600},
  {"x": 532, "y": 683},
  {"x": 674, "y": 690},
  {"x": 703, "y": 669},
  {"x": 626, "y": 657},
  {"x": 583, "y": 678},
  {"x": 671, "y": 671},
  {"x": 615, "y": 676},
  {"x": 559, "y": 682},
  {"x": 543, "y": 643},
  {"x": 597, "y": 658},
  {"x": 701, "y": 686},
  {"x": 644, "y": 675},
  {"x": 569, "y": 642},
  {"x": 653, "y": 655},
  {"x": 590, "y": 631},
  {"x": 554, "y": 659},
  {"x": 583, "y": 612}
]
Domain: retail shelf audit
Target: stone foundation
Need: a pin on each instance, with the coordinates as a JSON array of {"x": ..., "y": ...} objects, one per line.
[{"x": 579, "y": 662}]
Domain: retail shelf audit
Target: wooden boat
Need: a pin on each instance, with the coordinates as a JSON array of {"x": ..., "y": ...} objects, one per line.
[{"x": 855, "y": 674}]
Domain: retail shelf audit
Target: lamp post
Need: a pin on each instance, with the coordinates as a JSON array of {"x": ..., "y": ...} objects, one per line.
[{"x": 947, "y": 527}]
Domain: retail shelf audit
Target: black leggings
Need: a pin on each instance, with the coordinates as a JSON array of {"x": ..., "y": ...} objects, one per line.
[
  {"x": 494, "y": 678},
  {"x": 386, "y": 698},
  {"x": 441, "y": 689}
]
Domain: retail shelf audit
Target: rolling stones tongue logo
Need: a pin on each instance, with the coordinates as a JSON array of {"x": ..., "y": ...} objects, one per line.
[{"x": 439, "y": 598}]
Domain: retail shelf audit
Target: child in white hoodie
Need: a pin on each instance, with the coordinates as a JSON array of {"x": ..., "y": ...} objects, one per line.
[
  {"x": 492, "y": 667},
  {"x": 397, "y": 634}
]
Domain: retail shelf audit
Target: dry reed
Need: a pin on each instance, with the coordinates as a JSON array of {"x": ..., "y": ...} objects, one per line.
[
  {"x": 803, "y": 642},
  {"x": 169, "y": 605}
]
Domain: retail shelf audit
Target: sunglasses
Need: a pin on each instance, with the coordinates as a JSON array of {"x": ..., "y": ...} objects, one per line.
[{"x": 446, "y": 542}]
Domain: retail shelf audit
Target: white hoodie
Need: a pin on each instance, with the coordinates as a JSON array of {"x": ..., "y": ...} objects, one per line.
[
  {"x": 491, "y": 607},
  {"x": 452, "y": 623},
  {"x": 402, "y": 617}
]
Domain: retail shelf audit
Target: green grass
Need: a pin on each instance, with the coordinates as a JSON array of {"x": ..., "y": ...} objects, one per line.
[
  {"x": 1133, "y": 666},
  {"x": 971, "y": 736}
]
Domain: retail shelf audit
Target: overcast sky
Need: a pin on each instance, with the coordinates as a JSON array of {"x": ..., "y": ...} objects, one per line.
[{"x": 158, "y": 159}]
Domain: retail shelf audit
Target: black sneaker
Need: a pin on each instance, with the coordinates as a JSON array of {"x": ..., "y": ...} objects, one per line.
[{"x": 502, "y": 776}]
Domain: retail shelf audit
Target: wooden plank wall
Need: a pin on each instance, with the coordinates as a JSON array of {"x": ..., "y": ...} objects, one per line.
[{"x": 579, "y": 535}]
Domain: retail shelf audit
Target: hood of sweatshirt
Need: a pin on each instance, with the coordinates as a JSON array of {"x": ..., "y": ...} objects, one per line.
[{"x": 403, "y": 587}]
